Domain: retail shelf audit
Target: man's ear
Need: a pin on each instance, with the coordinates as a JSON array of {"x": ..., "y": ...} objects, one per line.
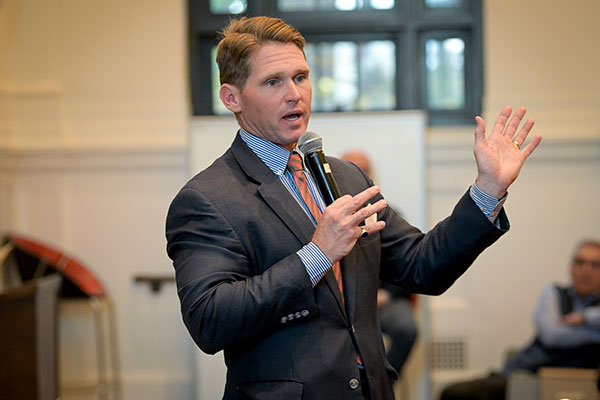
[{"x": 230, "y": 97}]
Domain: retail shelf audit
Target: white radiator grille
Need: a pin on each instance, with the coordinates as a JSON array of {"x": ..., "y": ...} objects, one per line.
[{"x": 449, "y": 353}]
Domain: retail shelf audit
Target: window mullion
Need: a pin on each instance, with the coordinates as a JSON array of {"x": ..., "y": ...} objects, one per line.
[{"x": 405, "y": 25}]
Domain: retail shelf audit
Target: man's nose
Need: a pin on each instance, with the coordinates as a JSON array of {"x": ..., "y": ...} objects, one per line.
[{"x": 292, "y": 93}]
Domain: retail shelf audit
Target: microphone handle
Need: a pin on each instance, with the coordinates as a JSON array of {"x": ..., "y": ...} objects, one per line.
[{"x": 319, "y": 167}]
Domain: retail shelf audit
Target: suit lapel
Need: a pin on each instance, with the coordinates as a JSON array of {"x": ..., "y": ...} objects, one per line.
[
  {"x": 283, "y": 204},
  {"x": 273, "y": 191}
]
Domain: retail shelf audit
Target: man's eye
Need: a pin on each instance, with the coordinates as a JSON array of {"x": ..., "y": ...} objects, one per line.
[
  {"x": 300, "y": 78},
  {"x": 272, "y": 82}
]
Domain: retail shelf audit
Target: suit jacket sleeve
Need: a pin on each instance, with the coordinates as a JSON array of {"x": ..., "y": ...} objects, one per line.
[
  {"x": 429, "y": 263},
  {"x": 225, "y": 301},
  {"x": 239, "y": 279}
]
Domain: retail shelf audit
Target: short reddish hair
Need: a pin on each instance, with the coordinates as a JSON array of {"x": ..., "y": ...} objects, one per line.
[{"x": 242, "y": 37}]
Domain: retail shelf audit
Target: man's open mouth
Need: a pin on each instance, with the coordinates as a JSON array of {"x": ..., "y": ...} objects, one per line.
[{"x": 292, "y": 116}]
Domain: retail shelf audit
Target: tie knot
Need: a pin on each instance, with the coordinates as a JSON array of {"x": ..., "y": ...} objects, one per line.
[{"x": 295, "y": 163}]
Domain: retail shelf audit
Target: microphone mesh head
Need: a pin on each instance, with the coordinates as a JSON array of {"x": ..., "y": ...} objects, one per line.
[{"x": 309, "y": 142}]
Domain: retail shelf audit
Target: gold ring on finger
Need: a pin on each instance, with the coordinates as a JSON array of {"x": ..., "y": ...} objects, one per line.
[
  {"x": 363, "y": 232},
  {"x": 516, "y": 143}
]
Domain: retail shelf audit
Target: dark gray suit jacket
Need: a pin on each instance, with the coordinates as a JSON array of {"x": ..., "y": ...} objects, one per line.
[{"x": 233, "y": 232}]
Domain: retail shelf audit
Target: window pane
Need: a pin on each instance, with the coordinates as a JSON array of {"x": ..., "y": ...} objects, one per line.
[
  {"x": 339, "y": 5},
  {"x": 349, "y": 76},
  {"x": 377, "y": 76},
  {"x": 443, "y": 3},
  {"x": 228, "y": 6},
  {"x": 334, "y": 75},
  {"x": 382, "y": 4},
  {"x": 445, "y": 60},
  {"x": 320, "y": 5}
]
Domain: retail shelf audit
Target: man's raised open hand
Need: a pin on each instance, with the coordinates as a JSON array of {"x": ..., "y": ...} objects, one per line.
[{"x": 500, "y": 156}]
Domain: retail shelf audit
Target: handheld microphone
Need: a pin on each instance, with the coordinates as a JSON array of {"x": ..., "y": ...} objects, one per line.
[{"x": 311, "y": 145}]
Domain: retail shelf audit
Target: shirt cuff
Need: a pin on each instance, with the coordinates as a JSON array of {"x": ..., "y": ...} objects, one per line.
[
  {"x": 315, "y": 262},
  {"x": 488, "y": 204}
]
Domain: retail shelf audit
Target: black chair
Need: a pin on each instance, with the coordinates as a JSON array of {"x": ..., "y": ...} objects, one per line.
[
  {"x": 31, "y": 260},
  {"x": 29, "y": 340}
]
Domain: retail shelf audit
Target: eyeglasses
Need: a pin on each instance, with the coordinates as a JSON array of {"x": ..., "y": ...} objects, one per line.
[{"x": 580, "y": 262}]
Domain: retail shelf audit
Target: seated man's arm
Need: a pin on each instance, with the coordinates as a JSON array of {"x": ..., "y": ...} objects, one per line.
[
  {"x": 553, "y": 331},
  {"x": 591, "y": 317}
]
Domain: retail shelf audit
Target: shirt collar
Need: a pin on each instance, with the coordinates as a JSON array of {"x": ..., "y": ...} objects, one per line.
[{"x": 274, "y": 156}]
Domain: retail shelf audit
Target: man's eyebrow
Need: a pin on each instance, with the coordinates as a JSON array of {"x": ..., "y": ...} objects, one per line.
[
  {"x": 278, "y": 74},
  {"x": 301, "y": 71}
]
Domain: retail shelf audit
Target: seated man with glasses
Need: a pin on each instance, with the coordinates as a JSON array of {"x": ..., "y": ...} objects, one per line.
[{"x": 567, "y": 320}]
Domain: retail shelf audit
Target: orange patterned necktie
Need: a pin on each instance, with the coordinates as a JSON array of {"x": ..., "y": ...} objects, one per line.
[{"x": 295, "y": 167}]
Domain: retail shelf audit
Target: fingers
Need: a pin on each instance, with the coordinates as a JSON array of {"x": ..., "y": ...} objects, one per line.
[
  {"x": 366, "y": 230},
  {"x": 514, "y": 123},
  {"x": 522, "y": 135},
  {"x": 501, "y": 120},
  {"x": 531, "y": 146},
  {"x": 479, "y": 130},
  {"x": 351, "y": 212},
  {"x": 367, "y": 211},
  {"x": 362, "y": 197},
  {"x": 508, "y": 130},
  {"x": 337, "y": 230}
]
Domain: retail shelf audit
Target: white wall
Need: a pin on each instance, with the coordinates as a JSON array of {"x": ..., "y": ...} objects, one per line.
[
  {"x": 84, "y": 74},
  {"x": 93, "y": 119},
  {"x": 93, "y": 133},
  {"x": 541, "y": 54},
  {"x": 107, "y": 209}
]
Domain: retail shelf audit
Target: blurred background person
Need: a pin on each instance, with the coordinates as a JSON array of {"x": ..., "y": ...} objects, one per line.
[{"x": 567, "y": 322}]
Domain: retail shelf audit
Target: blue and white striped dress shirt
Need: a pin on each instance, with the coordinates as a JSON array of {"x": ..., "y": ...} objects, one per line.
[
  {"x": 317, "y": 264},
  {"x": 276, "y": 158}
]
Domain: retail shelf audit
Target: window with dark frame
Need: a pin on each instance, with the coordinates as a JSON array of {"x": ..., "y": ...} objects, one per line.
[{"x": 364, "y": 55}]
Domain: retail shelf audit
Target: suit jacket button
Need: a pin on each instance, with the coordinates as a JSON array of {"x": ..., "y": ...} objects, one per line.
[
  {"x": 305, "y": 313},
  {"x": 290, "y": 317},
  {"x": 297, "y": 315},
  {"x": 353, "y": 383},
  {"x": 283, "y": 320}
]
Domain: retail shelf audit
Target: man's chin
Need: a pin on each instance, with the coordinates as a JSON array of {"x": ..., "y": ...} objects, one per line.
[
  {"x": 295, "y": 131},
  {"x": 298, "y": 133}
]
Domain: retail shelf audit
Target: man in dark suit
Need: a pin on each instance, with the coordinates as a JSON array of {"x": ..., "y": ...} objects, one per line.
[{"x": 256, "y": 262}]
